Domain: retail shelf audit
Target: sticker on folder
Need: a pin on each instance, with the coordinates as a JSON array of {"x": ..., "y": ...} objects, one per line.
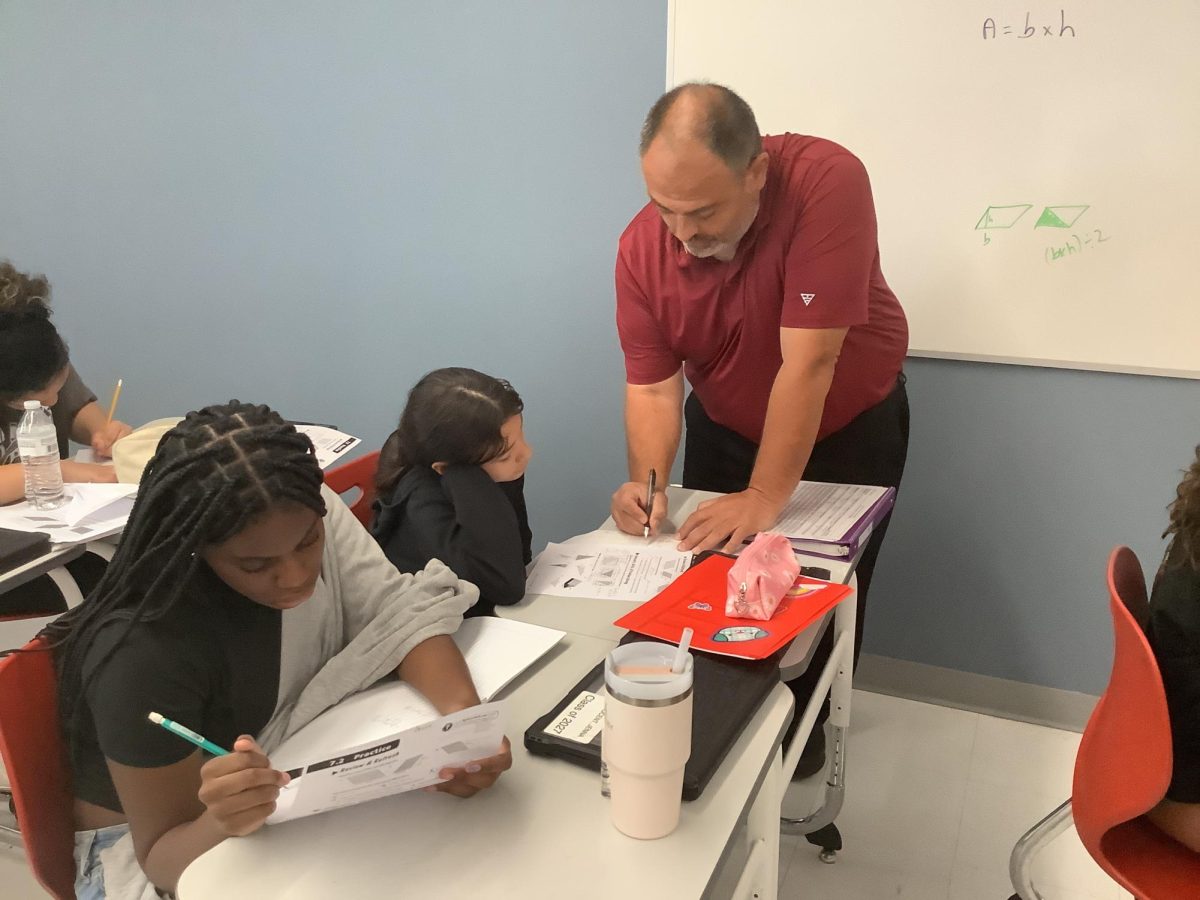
[
  {"x": 739, "y": 633},
  {"x": 696, "y": 600},
  {"x": 801, "y": 589}
]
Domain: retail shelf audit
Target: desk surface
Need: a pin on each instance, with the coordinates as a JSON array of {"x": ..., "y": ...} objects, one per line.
[{"x": 542, "y": 831}]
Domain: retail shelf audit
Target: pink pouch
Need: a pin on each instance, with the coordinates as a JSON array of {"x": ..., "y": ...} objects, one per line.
[{"x": 760, "y": 577}]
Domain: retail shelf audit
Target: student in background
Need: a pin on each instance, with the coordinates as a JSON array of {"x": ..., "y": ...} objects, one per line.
[
  {"x": 1174, "y": 633},
  {"x": 34, "y": 365},
  {"x": 237, "y": 579},
  {"x": 451, "y": 484}
]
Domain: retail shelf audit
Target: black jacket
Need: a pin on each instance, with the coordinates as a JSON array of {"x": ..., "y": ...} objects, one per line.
[{"x": 476, "y": 526}]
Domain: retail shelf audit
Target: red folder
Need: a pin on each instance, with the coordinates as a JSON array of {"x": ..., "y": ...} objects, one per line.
[{"x": 696, "y": 600}]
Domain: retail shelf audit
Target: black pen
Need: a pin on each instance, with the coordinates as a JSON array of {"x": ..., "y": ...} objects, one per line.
[{"x": 649, "y": 502}]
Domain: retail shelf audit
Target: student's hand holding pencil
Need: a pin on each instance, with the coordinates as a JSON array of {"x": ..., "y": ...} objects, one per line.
[
  {"x": 104, "y": 438},
  {"x": 240, "y": 789}
]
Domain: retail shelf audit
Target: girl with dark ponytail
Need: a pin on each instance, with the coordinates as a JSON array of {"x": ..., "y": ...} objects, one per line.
[
  {"x": 451, "y": 484},
  {"x": 1174, "y": 633},
  {"x": 237, "y": 578}
]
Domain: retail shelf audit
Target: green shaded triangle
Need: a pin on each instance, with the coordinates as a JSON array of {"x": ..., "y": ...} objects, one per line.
[{"x": 1050, "y": 219}]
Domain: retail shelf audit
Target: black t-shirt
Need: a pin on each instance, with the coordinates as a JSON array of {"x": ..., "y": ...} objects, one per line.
[
  {"x": 212, "y": 664},
  {"x": 1174, "y": 633}
]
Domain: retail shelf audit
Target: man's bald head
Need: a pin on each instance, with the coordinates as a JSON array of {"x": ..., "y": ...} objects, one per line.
[{"x": 707, "y": 114}]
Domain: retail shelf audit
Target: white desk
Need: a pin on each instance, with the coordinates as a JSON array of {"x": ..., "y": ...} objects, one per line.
[
  {"x": 57, "y": 555},
  {"x": 542, "y": 831}
]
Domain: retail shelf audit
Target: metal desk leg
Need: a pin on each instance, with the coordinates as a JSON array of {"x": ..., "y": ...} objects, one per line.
[
  {"x": 1020, "y": 863},
  {"x": 837, "y": 681},
  {"x": 760, "y": 878}
]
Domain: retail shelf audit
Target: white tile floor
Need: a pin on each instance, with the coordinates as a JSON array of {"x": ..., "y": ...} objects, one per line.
[{"x": 935, "y": 800}]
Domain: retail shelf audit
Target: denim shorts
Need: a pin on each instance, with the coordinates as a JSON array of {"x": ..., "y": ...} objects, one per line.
[{"x": 89, "y": 873}]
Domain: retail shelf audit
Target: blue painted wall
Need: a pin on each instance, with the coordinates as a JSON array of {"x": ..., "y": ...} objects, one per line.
[
  {"x": 1019, "y": 482},
  {"x": 311, "y": 204}
]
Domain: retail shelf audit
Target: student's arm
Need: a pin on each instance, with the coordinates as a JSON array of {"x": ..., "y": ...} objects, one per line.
[
  {"x": 91, "y": 426},
  {"x": 653, "y": 424},
  {"x": 473, "y": 528},
  {"x": 12, "y": 483},
  {"x": 793, "y": 417},
  {"x": 12, "y": 477},
  {"x": 180, "y": 811},
  {"x": 437, "y": 669}
]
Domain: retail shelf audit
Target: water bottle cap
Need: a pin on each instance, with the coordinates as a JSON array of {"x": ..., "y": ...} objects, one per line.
[{"x": 33, "y": 404}]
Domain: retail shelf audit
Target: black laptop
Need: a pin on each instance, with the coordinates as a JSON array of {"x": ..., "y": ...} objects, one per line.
[{"x": 726, "y": 693}]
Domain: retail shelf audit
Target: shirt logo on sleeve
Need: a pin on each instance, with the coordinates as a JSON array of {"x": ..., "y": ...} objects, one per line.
[{"x": 807, "y": 298}]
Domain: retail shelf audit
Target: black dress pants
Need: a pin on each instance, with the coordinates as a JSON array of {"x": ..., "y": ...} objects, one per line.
[{"x": 870, "y": 450}]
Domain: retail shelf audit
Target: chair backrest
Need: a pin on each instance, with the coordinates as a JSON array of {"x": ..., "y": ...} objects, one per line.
[
  {"x": 33, "y": 752},
  {"x": 358, "y": 473},
  {"x": 1124, "y": 762}
]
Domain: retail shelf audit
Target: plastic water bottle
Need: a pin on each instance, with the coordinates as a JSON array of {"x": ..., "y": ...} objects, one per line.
[{"x": 37, "y": 442}]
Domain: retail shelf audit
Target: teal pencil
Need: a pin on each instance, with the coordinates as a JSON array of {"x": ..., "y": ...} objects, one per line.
[{"x": 187, "y": 734}]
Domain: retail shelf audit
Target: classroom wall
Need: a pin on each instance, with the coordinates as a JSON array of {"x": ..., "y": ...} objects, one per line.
[
  {"x": 1019, "y": 482},
  {"x": 311, "y": 204}
]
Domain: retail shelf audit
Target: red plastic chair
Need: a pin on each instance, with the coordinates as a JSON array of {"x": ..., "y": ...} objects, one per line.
[
  {"x": 1124, "y": 762},
  {"x": 32, "y": 748},
  {"x": 1123, "y": 766},
  {"x": 358, "y": 473}
]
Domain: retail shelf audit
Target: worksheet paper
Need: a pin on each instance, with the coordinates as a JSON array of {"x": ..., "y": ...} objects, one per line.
[
  {"x": 608, "y": 565},
  {"x": 329, "y": 443},
  {"x": 92, "y": 511},
  {"x": 496, "y": 651},
  {"x": 400, "y": 762}
]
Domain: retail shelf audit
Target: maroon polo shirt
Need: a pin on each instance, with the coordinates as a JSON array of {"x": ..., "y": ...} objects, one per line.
[{"x": 809, "y": 260}]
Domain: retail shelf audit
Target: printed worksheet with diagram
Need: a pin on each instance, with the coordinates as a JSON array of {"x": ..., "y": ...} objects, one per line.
[{"x": 608, "y": 565}]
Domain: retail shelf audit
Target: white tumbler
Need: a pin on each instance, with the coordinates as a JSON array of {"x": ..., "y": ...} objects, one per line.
[{"x": 647, "y": 736}]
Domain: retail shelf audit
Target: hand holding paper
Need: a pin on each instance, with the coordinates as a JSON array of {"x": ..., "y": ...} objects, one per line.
[{"x": 476, "y": 775}]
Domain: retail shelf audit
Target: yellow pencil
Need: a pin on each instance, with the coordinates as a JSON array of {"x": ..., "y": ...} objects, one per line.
[{"x": 112, "y": 407}]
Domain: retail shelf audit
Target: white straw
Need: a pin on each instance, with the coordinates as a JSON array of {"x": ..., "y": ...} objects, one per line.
[{"x": 681, "y": 654}]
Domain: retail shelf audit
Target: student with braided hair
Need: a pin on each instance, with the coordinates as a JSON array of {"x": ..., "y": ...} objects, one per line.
[
  {"x": 242, "y": 594},
  {"x": 1174, "y": 633}
]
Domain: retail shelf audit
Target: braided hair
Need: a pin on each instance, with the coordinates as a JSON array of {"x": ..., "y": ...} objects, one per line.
[
  {"x": 1183, "y": 526},
  {"x": 212, "y": 475},
  {"x": 452, "y": 415}
]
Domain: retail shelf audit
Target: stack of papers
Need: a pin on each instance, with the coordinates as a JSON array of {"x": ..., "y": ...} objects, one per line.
[
  {"x": 389, "y": 738},
  {"x": 92, "y": 511},
  {"x": 609, "y": 565},
  {"x": 833, "y": 519}
]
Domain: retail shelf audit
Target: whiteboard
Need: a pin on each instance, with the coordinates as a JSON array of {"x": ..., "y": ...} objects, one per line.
[{"x": 1036, "y": 166}]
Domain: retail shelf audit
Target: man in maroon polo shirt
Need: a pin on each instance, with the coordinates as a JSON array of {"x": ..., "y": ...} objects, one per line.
[{"x": 754, "y": 271}]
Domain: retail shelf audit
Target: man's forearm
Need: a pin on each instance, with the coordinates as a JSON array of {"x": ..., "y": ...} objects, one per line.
[
  {"x": 653, "y": 424},
  {"x": 793, "y": 418}
]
